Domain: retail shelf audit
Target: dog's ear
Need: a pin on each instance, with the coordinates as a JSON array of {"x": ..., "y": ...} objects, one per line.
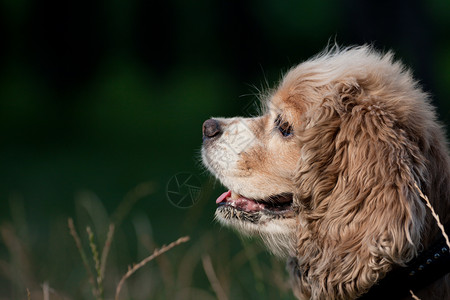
[
  {"x": 356, "y": 192},
  {"x": 345, "y": 95}
]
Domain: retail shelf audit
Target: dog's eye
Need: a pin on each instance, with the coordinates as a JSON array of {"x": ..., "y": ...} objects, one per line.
[{"x": 283, "y": 127}]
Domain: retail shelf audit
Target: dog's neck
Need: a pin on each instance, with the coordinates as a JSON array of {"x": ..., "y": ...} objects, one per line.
[{"x": 430, "y": 265}]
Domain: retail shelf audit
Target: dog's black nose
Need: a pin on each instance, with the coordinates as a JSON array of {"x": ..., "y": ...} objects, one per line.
[{"x": 211, "y": 129}]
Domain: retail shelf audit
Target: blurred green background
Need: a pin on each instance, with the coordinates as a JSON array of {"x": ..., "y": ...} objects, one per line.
[{"x": 98, "y": 97}]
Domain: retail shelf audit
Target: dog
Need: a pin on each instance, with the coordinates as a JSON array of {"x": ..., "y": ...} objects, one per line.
[{"x": 330, "y": 175}]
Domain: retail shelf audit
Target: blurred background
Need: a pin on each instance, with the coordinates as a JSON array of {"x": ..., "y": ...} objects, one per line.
[{"x": 101, "y": 107}]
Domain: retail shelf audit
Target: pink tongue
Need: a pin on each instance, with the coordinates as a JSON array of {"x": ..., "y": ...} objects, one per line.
[{"x": 223, "y": 197}]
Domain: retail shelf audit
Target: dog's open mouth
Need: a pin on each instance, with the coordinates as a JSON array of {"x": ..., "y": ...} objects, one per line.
[{"x": 273, "y": 205}]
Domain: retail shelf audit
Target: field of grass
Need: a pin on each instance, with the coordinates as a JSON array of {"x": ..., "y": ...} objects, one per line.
[{"x": 215, "y": 263}]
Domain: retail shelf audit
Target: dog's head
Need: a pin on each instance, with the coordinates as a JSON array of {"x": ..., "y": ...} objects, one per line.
[
  {"x": 327, "y": 173},
  {"x": 256, "y": 158}
]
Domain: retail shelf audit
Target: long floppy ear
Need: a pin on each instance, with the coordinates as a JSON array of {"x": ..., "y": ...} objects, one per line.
[{"x": 356, "y": 196}]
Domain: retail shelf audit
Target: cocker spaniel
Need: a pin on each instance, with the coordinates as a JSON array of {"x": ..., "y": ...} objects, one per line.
[{"x": 330, "y": 177}]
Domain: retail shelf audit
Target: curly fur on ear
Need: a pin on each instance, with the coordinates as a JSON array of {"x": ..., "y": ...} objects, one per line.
[{"x": 366, "y": 143}]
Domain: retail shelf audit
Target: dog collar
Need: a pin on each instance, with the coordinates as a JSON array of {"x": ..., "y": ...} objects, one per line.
[{"x": 430, "y": 265}]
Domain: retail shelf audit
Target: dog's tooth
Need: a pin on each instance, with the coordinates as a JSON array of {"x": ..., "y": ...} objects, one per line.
[{"x": 234, "y": 195}]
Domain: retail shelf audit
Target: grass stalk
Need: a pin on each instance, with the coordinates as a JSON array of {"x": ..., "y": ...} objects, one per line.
[
  {"x": 414, "y": 295},
  {"x": 140, "y": 191},
  {"x": 95, "y": 257},
  {"x": 213, "y": 280},
  {"x": 77, "y": 239},
  {"x": 435, "y": 215},
  {"x": 156, "y": 253},
  {"x": 46, "y": 291},
  {"x": 106, "y": 249}
]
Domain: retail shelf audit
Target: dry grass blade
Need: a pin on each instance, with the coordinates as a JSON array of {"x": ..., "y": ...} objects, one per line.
[
  {"x": 413, "y": 295},
  {"x": 46, "y": 291},
  {"x": 75, "y": 236},
  {"x": 156, "y": 253},
  {"x": 106, "y": 249},
  {"x": 436, "y": 217},
  {"x": 213, "y": 280},
  {"x": 19, "y": 267},
  {"x": 139, "y": 192},
  {"x": 28, "y": 294}
]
